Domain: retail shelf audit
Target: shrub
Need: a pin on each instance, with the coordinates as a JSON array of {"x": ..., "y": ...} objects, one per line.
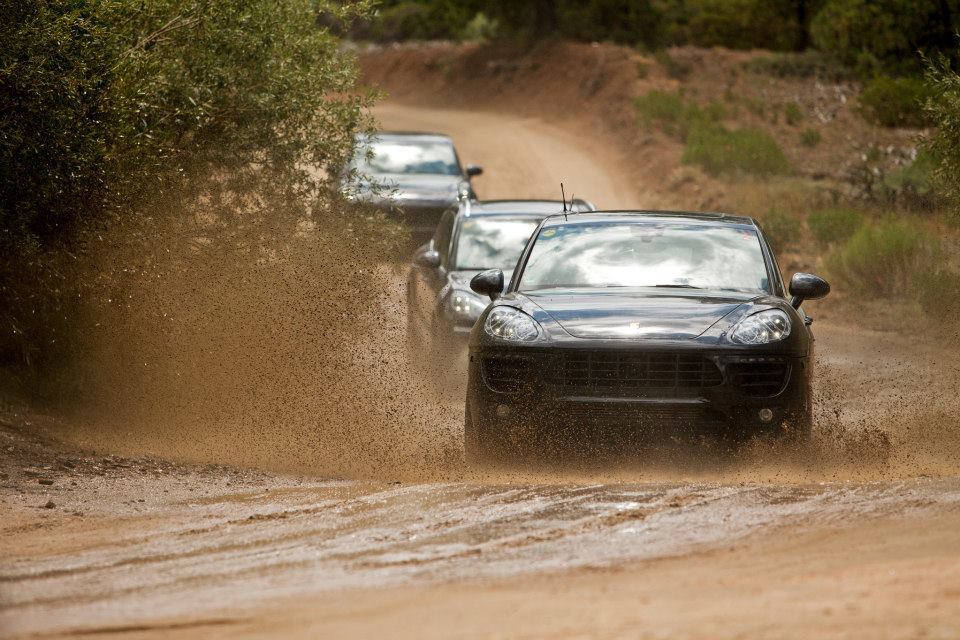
[
  {"x": 746, "y": 151},
  {"x": 675, "y": 116},
  {"x": 743, "y": 24},
  {"x": 792, "y": 113},
  {"x": 805, "y": 64},
  {"x": 781, "y": 229},
  {"x": 880, "y": 258},
  {"x": 943, "y": 108},
  {"x": 938, "y": 292},
  {"x": 809, "y": 137},
  {"x": 230, "y": 120},
  {"x": 676, "y": 69},
  {"x": 895, "y": 102},
  {"x": 834, "y": 226},
  {"x": 875, "y": 34},
  {"x": 480, "y": 27},
  {"x": 915, "y": 184}
]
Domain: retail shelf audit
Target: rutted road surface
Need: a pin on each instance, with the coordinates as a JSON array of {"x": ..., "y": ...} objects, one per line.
[{"x": 855, "y": 537}]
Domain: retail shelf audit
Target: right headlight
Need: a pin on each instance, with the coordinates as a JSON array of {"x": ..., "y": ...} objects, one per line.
[
  {"x": 508, "y": 323},
  {"x": 772, "y": 325}
]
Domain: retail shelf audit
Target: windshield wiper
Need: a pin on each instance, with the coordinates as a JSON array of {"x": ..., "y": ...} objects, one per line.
[{"x": 677, "y": 286}]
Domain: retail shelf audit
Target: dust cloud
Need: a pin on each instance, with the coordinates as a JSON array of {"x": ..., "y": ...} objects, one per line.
[
  {"x": 282, "y": 347},
  {"x": 277, "y": 347}
]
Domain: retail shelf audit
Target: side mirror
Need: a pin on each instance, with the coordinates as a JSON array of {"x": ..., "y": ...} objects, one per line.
[
  {"x": 429, "y": 259},
  {"x": 488, "y": 283},
  {"x": 806, "y": 286},
  {"x": 473, "y": 170}
]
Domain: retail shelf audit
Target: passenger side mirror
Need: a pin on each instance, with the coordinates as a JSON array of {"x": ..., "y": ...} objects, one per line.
[
  {"x": 473, "y": 170},
  {"x": 429, "y": 259},
  {"x": 806, "y": 286},
  {"x": 488, "y": 283}
]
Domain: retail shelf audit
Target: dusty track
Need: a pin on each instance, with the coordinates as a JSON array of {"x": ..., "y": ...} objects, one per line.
[{"x": 856, "y": 537}]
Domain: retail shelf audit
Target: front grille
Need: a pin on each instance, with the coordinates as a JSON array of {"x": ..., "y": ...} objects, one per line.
[
  {"x": 759, "y": 379},
  {"x": 602, "y": 414},
  {"x": 507, "y": 374},
  {"x": 634, "y": 373}
]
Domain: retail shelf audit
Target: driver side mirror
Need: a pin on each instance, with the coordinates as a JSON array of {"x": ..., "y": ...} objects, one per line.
[
  {"x": 473, "y": 170},
  {"x": 806, "y": 286},
  {"x": 488, "y": 283},
  {"x": 429, "y": 259}
]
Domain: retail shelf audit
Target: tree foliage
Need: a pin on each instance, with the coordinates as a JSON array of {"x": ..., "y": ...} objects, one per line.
[
  {"x": 943, "y": 108},
  {"x": 115, "y": 113}
]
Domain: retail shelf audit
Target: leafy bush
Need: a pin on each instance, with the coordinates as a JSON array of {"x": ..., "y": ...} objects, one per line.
[
  {"x": 626, "y": 21},
  {"x": 938, "y": 292},
  {"x": 803, "y": 64},
  {"x": 895, "y": 102},
  {"x": 226, "y": 120},
  {"x": 676, "y": 69},
  {"x": 809, "y": 137},
  {"x": 943, "y": 109},
  {"x": 881, "y": 258},
  {"x": 915, "y": 184},
  {"x": 480, "y": 27},
  {"x": 743, "y": 24},
  {"x": 781, "y": 229},
  {"x": 834, "y": 226},
  {"x": 673, "y": 114},
  {"x": 745, "y": 151},
  {"x": 792, "y": 113},
  {"x": 872, "y": 35}
]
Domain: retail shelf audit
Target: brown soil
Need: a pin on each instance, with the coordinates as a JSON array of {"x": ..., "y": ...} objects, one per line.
[{"x": 853, "y": 536}]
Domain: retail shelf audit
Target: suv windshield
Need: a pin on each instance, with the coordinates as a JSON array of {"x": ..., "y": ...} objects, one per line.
[
  {"x": 646, "y": 254},
  {"x": 492, "y": 243},
  {"x": 406, "y": 157}
]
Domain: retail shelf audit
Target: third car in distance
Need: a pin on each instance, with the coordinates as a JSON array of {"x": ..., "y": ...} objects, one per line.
[{"x": 618, "y": 325}]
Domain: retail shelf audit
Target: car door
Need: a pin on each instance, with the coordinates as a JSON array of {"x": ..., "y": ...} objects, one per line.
[{"x": 430, "y": 280}]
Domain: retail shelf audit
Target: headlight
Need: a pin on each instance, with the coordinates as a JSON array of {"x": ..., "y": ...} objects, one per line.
[
  {"x": 511, "y": 324},
  {"x": 465, "y": 305},
  {"x": 764, "y": 327}
]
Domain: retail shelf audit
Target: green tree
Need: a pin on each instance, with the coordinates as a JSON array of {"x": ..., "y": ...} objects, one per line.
[
  {"x": 118, "y": 114},
  {"x": 943, "y": 108},
  {"x": 875, "y": 34}
]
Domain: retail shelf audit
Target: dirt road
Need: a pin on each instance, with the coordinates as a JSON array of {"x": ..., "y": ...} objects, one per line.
[{"x": 855, "y": 536}]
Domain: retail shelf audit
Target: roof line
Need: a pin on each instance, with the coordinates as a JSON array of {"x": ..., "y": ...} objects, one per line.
[{"x": 678, "y": 212}]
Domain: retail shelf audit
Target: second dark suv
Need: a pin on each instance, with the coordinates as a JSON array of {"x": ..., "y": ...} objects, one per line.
[{"x": 471, "y": 237}]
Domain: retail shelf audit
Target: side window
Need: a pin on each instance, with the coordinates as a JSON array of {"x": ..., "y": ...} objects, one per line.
[{"x": 441, "y": 239}]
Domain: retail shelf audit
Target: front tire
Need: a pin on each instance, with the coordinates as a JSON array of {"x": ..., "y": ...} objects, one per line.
[{"x": 481, "y": 447}]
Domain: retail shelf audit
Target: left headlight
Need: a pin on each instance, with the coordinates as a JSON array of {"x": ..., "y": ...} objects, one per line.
[
  {"x": 764, "y": 327},
  {"x": 511, "y": 324},
  {"x": 465, "y": 306}
]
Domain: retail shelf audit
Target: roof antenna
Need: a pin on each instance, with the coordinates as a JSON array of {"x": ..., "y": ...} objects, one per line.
[{"x": 563, "y": 196}]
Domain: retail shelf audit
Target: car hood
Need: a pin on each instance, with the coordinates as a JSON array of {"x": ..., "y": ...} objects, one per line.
[
  {"x": 431, "y": 188},
  {"x": 615, "y": 313}
]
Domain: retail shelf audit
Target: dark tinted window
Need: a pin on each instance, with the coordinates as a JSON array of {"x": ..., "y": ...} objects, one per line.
[
  {"x": 492, "y": 243},
  {"x": 646, "y": 254}
]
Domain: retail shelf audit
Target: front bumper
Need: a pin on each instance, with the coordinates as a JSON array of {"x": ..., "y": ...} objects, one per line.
[{"x": 635, "y": 391}]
